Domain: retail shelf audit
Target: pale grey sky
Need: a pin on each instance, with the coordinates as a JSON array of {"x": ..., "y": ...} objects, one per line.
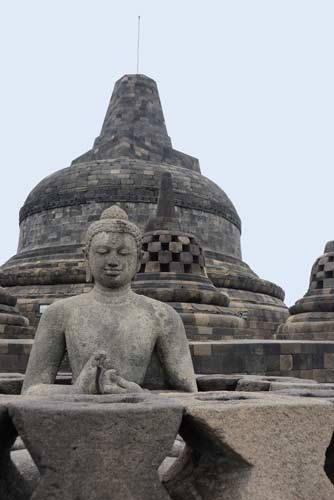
[{"x": 247, "y": 86}]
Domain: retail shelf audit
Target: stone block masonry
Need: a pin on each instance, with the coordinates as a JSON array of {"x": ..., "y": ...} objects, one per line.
[{"x": 303, "y": 359}]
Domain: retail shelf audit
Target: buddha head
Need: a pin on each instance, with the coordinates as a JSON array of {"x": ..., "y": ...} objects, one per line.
[{"x": 113, "y": 249}]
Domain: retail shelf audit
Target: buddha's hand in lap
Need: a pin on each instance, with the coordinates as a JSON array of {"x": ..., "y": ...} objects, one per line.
[
  {"x": 98, "y": 377},
  {"x": 111, "y": 383}
]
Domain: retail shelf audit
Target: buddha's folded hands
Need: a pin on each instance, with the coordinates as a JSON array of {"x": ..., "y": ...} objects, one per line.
[{"x": 110, "y": 382}]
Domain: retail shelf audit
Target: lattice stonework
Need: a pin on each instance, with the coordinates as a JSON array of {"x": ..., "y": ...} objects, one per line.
[
  {"x": 168, "y": 253},
  {"x": 322, "y": 275}
]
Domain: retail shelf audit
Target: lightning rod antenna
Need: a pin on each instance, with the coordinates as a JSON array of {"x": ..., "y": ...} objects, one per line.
[{"x": 138, "y": 44}]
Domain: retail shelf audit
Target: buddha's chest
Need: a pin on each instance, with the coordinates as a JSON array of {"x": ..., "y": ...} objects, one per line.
[{"x": 128, "y": 337}]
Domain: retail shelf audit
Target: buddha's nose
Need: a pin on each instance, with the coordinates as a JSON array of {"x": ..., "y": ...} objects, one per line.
[
  {"x": 112, "y": 261},
  {"x": 112, "y": 264}
]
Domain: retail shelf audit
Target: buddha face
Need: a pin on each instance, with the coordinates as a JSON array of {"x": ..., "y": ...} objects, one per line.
[{"x": 113, "y": 259}]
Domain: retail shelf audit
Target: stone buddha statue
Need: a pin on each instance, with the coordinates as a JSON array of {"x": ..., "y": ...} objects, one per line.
[{"x": 111, "y": 332}]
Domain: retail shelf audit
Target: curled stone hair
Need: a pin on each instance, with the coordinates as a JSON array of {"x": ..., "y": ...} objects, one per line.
[{"x": 114, "y": 220}]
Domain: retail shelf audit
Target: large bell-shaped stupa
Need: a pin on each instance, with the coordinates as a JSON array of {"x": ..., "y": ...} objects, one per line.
[{"x": 124, "y": 167}]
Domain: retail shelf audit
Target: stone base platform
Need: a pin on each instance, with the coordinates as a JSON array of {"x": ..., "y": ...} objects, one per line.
[{"x": 239, "y": 445}]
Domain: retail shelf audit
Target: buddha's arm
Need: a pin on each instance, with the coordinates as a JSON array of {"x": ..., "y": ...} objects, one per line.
[
  {"x": 47, "y": 353},
  {"x": 174, "y": 353}
]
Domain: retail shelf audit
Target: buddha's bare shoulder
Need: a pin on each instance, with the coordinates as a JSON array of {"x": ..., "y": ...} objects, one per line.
[
  {"x": 62, "y": 306},
  {"x": 159, "y": 309}
]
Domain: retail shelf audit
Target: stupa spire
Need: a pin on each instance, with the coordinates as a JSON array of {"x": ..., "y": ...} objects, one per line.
[
  {"x": 134, "y": 127},
  {"x": 134, "y": 117},
  {"x": 329, "y": 247},
  {"x": 166, "y": 218}
]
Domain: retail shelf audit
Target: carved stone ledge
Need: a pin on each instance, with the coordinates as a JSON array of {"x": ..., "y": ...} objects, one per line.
[
  {"x": 98, "y": 448},
  {"x": 252, "y": 446},
  {"x": 13, "y": 485}
]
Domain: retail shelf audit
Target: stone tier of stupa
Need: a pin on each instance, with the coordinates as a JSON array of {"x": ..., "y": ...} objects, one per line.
[
  {"x": 12, "y": 323},
  {"x": 15, "y": 335}
]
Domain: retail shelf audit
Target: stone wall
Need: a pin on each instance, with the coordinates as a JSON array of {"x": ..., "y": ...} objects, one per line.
[
  {"x": 305, "y": 359},
  {"x": 14, "y": 355}
]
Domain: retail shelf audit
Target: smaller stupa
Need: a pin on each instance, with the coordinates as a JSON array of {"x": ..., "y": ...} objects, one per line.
[
  {"x": 12, "y": 324},
  {"x": 312, "y": 317},
  {"x": 15, "y": 342},
  {"x": 173, "y": 271}
]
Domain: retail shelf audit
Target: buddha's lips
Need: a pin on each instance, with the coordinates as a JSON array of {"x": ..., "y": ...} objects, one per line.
[{"x": 111, "y": 272}]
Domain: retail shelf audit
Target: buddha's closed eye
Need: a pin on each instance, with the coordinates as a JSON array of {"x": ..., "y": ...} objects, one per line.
[{"x": 102, "y": 250}]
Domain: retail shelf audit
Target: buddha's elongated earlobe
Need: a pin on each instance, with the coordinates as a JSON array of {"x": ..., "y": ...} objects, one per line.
[
  {"x": 89, "y": 277},
  {"x": 140, "y": 259}
]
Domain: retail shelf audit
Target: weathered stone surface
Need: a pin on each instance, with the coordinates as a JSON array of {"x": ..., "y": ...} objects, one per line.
[
  {"x": 253, "y": 446},
  {"x": 6, "y": 298},
  {"x": 110, "y": 333},
  {"x": 253, "y": 385},
  {"x": 277, "y": 386},
  {"x": 11, "y": 383},
  {"x": 98, "y": 448},
  {"x": 217, "y": 382},
  {"x": 18, "y": 445},
  {"x": 13, "y": 484},
  {"x": 14, "y": 328},
  {"x": 14, "y": 354},
  {"x": 134, "y": 127},
  {"x": 312, "y": 392},
  {"x": 177, "y": 451},
  {"x": 166, "y": 217},
  {"x": 12, "y": 323},
  {"x": 310, "y": 359},
  {"x": 26, "y": 467}
]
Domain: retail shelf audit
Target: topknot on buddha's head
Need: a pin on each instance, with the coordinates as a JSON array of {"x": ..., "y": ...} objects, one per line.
[
  {"x": 114, "y": 220},
  {"x": 114, "y": 212}
]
